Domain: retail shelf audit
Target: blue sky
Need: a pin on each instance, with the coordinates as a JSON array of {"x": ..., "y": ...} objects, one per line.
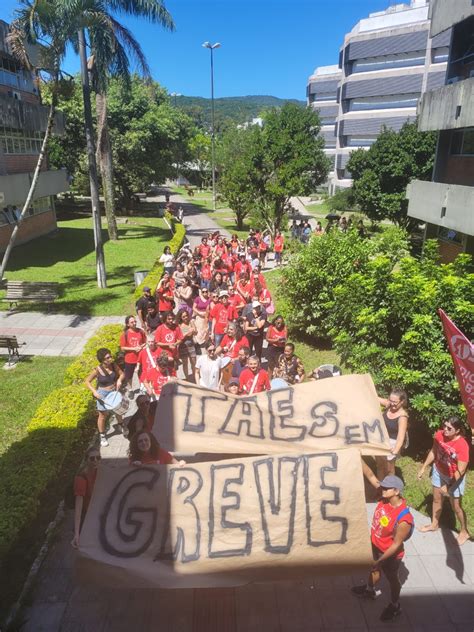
[{"x": 268, "y": 46}]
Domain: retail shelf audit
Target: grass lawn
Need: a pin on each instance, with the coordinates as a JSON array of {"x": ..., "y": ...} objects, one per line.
[
  {"x": 68, "y": 258},
  {"x": 22, "y": 390}
]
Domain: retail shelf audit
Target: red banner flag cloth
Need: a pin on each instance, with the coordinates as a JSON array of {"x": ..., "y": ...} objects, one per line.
[{"x": 462, "y": 353}]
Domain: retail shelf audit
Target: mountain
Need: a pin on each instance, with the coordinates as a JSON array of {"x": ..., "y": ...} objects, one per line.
[{"x": 228, "y": 109}]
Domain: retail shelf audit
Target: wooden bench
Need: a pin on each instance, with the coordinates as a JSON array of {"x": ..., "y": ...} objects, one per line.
[
  {"x": 34, "y": 291},
  {"x": 11, "y": 344}
]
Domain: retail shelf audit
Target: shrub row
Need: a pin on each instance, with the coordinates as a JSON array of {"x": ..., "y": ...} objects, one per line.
[{"x": 156, "y": 272}]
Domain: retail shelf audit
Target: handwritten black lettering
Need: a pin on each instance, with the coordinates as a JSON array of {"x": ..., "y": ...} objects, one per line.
[
  {"x": 244, "y": 411},
  {"x": 194, "y": 418},
  {"x": 281, "y": 409},
  {"x": 314, "y": 468},
  {"x": 352, "y": 434},
  {"x": 278, "y": 536},
  {"x": 326, "y": 423},
  {"x": 184, "y": 484},
  {"x": 376, "y": 426},
  {"x": 122, "y": 523},
  {"x": 222, "y": 476}
]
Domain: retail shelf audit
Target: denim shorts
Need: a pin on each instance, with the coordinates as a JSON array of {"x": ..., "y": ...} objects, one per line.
[
  {"x": 438, "y": 480},
  {"x": 103, "y": 392}
]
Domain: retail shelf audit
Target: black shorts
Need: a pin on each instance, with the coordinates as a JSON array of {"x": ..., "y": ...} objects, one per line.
[
  {"x": 390, "y": 566},
  {"x": 129, "y": 370}
]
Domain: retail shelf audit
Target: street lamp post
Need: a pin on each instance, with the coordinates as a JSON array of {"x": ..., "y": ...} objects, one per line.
[{"x": 211, "y": 47}]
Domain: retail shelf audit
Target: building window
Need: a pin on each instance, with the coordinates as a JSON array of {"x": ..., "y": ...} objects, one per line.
[
  {"x": 401, "y": 60},
  {"x": 450, "y": 235},
  {"x": 10, "y": 214},
  {"x": 359, "y": 141},
  {"x": 13, "y": 141},
  {"x": 462, "y": 143},
  {"x": 383, "y": 103},
  {"x": 439, "y": 55}
]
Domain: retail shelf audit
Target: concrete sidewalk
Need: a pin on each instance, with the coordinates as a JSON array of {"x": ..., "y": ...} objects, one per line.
[{"x": 52, "y": 334}]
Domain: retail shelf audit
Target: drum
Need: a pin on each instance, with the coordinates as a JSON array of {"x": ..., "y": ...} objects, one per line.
[
  {"x": 227, "y": 366},
  {"x": 115, "y": 402}
]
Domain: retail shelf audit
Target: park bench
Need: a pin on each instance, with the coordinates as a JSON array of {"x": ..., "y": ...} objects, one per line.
[
  {"x": 11, "y": 344},
  {"x": 34, "y": 291}
]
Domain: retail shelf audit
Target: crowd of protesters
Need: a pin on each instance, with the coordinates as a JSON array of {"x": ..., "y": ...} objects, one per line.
[{"x": 213, "y": 315}]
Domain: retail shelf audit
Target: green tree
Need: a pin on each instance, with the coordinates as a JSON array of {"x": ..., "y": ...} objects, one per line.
[
  {"x": 234, "y": 159},
  {"x": 381, "y": 174},
  {"x": 200, "y": 156},
  {"x": 343, "y": 200},
  {"x": 287, "y": 160}
]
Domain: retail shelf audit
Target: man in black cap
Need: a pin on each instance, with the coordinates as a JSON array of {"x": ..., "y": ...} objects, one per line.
[
  {"x": 142, "y": 304},
  {"x": 392, "y": 525}
]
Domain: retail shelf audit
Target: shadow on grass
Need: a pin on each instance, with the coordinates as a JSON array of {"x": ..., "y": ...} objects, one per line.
[{"x": 23, "y": 458}]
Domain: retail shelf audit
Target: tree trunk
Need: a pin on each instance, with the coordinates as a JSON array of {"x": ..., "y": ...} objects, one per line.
[
  {"x": 36, "y": 174},
  {"x": 94, "y": 184},
  {"x": 105, "y": 160}
]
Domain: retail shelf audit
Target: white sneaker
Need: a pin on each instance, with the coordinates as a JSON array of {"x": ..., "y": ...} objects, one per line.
[{"x": 103, "y": 441}]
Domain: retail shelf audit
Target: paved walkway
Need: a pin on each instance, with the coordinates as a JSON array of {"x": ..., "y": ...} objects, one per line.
[{"x": 52, "y": 334}]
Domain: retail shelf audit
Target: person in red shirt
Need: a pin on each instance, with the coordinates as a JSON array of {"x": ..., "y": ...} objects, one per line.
[
  {"x": 83, "y": 487},
  {"x": 278, "y": 245},
  {"x": 450, "y": 458},
  {"x": 165, "y": 294},
  {"x": 221, "y": 314},
  {"x": 168, "y": 336},
  {"x": 206, "y": 273},
  {"x": 204, "y": 248},
  {"x": 258, "y": 276},
  {"x": 232, "y": 341},
  {"x": 242, "y": 266},
  {"x": 392, "y": 524},
  {"x": 236, "y": 300},
  {"x": 253, "y": 379},
  {"x": 147, "y": 359},
  {"x": 158, "y": 376},
  {"x": 145, "y": 450},
  {"x": 277, "y": 335},
  {"x": 220, "y": 248},
  {"x": 132, "y": 341},
  {"x": 244, "y": 287}
]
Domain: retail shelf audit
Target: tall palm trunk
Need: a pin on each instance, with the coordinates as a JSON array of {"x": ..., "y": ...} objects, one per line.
[
  {"x": 105, "y": 160},
  {"x": 94, "y": 184},
  {"x": 36, "y": 174}
]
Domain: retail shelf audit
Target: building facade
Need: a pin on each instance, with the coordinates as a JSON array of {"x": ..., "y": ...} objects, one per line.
[
  {"x": 446, "y": 205},
  {"x": 386, "y": 62},
  {"x": 23, "y": 121}
]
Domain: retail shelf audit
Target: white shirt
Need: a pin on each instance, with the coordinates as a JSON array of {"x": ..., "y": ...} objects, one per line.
[{"x": 209, "y": 371}]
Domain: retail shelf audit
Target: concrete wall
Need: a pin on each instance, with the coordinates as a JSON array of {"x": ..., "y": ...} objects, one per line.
[
  {"x": 449, "y": 107},
  {"x": 446, "y": 13},
  {"x": 31, "y": 227},
  {"x": 15, "y": 187}
]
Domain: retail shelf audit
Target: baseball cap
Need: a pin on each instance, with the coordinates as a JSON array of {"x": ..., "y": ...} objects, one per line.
[
  {"x": 223, "y": 293},
  {"x": 147, "y": 289},
  {"x": 255, "y": 304},
  {"x": 234, "y": 381},
  {"x": 394, "y": 482}
]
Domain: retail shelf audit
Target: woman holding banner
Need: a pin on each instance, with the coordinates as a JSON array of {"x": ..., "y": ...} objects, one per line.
[
  {"x": 395, "y": 417},
  {"x": 145, "y": 450}
]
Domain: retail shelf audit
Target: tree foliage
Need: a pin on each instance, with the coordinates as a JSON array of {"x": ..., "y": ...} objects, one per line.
[
  {"x": 343, "y": 200},
  {"x": 379, "y": 307},
  {"x": 381, "y": 174}
]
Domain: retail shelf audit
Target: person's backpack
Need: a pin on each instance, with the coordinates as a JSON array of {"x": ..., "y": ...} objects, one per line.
[{"x": 403, "y": 513}]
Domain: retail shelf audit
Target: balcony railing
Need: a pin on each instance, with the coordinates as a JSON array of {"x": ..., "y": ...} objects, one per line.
[{"x": 449, "y": 107}]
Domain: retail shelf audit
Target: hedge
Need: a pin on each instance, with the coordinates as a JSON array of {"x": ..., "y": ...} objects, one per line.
[
  {"x": 153, "y": 277},
  {"x": 108, "y": 336}
]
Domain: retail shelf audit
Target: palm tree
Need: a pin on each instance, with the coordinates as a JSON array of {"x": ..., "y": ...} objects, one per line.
[{"x": 112, "y": 47}]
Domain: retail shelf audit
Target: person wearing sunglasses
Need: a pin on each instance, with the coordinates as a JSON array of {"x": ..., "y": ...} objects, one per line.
[
  {"x": 449, "y": 456},
  {"x": 84, "y": 483}
]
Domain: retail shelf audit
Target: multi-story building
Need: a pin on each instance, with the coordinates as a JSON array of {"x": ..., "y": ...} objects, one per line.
[
  {"x": 446, "y": 204},
  {"x": 322, "y": 94},
  {"x": 23, "y": 122},
  {"x": 386, "y": 62}
]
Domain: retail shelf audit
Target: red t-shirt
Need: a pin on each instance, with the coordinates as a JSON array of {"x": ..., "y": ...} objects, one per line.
[
  {"x": 236, "y": 345},
  {"x": 84, "y": 486},
  {"x": 164, "y": 458},
  {"x": 166, "y": 298},
  {"x": 260, "y": 278},
  {"x": 236, "y": 301},
  {"x": 222, "y": 314},
  {"x": 206, "y": 271},
  {"x": 247, "y": 378},
  {"x": 131, "y": 338},
  {"x": 278, "y": 243},
  {"x": 159, "y": 378},
  {"x": 448, "y": 453},
  {"x": 384, "y": 525},
  {"x": 204, "y": 250},
  {"x": 242, "y": 267},
  {"x": 220, "y": 249},
  {"x": 282, "y": 335},
  {"x": 168, "y": 336},
  {"x": 244, "y": 288},
  {"x": 145, "y": 362}
]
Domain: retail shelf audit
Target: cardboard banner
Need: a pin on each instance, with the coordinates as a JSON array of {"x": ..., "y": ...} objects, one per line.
[
  {"x": 339, "y": 412},
  {"x": 462, "y": 353},
  {"x": 227, "y": 523}
]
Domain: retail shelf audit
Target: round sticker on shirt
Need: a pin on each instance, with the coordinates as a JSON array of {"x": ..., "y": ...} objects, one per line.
[
  {"x": 384, "y": 521},
  {"x": 169, "y": 337}
]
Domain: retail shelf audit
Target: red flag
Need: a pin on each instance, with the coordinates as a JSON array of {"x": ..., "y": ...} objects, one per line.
[{"x": 462, "y": 353}]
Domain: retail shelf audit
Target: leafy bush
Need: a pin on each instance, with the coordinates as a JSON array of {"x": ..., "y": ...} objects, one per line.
[
  {"x": 155, "y": 274},
  {"x": 309, "y": 282},
  {"x": 108, "y": 336},
  {"x": 29, "y": 466},
  {"x": 384, "y": 321},
  {"x": 342, "y": 201}
]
